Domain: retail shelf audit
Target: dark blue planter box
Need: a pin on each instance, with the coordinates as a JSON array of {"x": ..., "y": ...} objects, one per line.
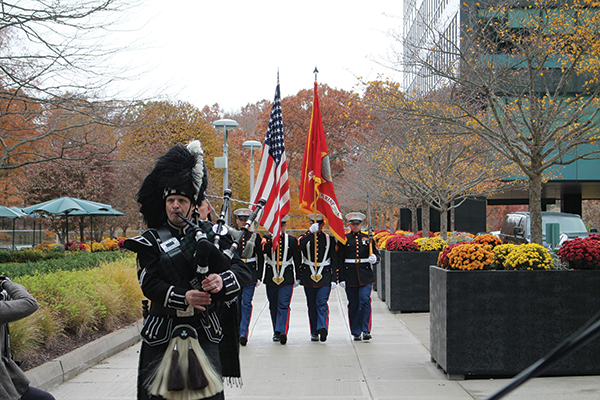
[
  {"x": 407, "y": 279},
  {"x": 380, "y": 275},
  {"x": 497, "y": 323}
]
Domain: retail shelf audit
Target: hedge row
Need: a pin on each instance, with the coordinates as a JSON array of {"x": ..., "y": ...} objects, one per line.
[{"x": 30, "y": 262}]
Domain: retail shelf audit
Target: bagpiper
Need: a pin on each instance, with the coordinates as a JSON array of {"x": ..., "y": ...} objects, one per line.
[
  {"x": 189, "y": 339},
  {"x": 356, "y": 259}
]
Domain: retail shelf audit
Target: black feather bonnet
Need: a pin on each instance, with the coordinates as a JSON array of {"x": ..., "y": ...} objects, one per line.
[{"x": 182, "y": 171}]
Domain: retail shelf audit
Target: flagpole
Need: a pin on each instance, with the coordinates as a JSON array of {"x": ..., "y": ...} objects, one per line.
[
  {"x": 316, "y": 174},
  {"x": 316, "y": 71},
  {"x": 315, "y": 219}
]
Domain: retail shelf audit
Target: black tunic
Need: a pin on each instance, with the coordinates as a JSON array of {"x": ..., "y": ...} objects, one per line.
[{"x": 354, "y": 269}]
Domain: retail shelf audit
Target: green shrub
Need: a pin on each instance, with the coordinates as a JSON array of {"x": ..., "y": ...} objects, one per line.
[
  {"x": 52, "y": 262},
  {"x": 23, "y": 256}
]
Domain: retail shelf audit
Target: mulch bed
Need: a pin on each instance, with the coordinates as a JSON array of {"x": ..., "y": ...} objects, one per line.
[{"x": 60, "y": 346}]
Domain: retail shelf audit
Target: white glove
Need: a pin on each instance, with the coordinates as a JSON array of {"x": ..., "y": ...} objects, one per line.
[
  {"x": 296, "y": 283},
  {"x": 343, "y": 284},
  {"x": 333, "y": 285},
  {"x": 257, "y": 282},
  {"x": 314, "y": 227},
  {"x": 372, "y": 259}
]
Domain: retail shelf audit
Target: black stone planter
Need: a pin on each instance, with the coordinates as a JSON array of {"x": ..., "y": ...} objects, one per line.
[
  {"x": 407, "y": 279},
  {"x": 380, "y": 275},
  {"x": 497, "y": 323}
]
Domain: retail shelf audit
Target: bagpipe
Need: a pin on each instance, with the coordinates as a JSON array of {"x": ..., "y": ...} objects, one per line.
[{"x": 220, "y": 228}]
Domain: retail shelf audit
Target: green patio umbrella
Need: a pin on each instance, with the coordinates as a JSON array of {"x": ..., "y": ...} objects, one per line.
[
  {"x": 99, "y": 213},
  {"x": 13, "y": 213},
  {"x": 66, "y": 206}
]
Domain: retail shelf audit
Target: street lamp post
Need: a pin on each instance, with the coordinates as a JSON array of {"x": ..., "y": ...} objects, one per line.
[
  {"x": 252, "y": 145},
  {"x": 222, "y": 162}
]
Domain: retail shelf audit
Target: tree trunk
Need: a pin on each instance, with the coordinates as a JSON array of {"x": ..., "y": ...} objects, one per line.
[
  {"x": 535, "y": 208},
  {"x": 444, "y": 222},
  {"x": 414, "y": 218},
  {"x": 425, "y": 218}
]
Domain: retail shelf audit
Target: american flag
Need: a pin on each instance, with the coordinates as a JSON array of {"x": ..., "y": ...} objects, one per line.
[{"x": 272, "y": 180}]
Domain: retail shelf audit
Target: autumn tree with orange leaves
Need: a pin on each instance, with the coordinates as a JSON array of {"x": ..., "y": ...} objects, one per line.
[
  {"x": 345, "y": 120},
  {"x": 156, "y": 126},
  {"x": 441, "y": 170},
  {"x": 525, "y": 79},
  {"x": 53, "y": 68}
]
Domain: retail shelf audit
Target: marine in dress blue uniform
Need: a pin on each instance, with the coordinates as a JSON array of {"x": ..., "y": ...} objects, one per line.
[
  {"x": 281, "y": 269},
  {"x": 356, "y": 258},
  {"x": 318, "y": 276},
  {"x": 250, "y": 251}
]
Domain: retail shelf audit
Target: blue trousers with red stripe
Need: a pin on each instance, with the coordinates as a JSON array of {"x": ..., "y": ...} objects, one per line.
[
  {"x": 359, "y": 308},
  {"x": 245, "y": 308},
  {"x": 318, "y": 308},
  {"x": 280, "y": 298}
]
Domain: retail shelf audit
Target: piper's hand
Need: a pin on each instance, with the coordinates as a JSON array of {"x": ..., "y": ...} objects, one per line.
[
  {"x": 213, "y": 283},
  {"x": 296, "y": 283},
  {"x": 258, "y": 283},
  {"x": 314, "y": 227},
  {"x": 372, "y": 259},
  {"x": 197, "y": 299},
  {"x": 333, "y": 285},
  {"x": 343, "y": 284}
]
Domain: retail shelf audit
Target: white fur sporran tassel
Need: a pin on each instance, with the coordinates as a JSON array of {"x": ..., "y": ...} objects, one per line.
[{"x": 159, "y": 381}]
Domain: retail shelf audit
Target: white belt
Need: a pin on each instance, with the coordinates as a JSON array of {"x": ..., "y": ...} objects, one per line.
[
  {"x": 282, "y": 263},
  {"x": 249, "y": 260},
  {"x": 356, "y": 260},
  {"x": 312, "y": 264}
]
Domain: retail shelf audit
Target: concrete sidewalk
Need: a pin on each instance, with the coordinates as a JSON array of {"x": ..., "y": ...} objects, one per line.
[{"x": 394, "y": 365}]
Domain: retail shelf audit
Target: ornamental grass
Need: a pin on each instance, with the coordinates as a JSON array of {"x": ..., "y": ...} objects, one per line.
[
  {"x": 581, "y": 253},
  {"x": 72, "y": 302},
  {"x": 530, "y": 256}
]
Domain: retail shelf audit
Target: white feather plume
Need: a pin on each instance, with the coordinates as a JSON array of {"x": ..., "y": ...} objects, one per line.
[{"x": 195, "y": 147}]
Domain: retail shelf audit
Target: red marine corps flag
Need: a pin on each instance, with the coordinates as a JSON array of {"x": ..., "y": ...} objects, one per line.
[
  {"x": 316, "y": 186},
  {"x": 272, "y": 180}
]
